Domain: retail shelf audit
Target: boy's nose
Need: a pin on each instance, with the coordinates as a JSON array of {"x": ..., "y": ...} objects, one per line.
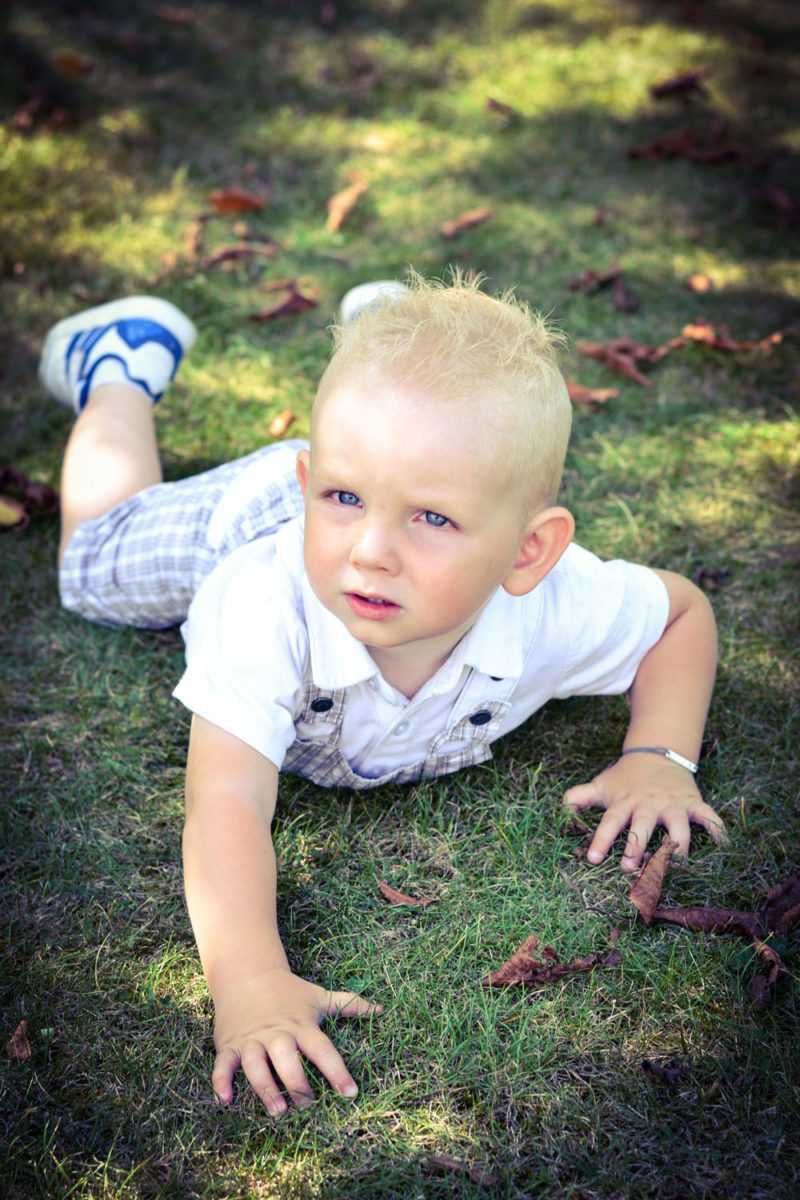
[{"x": 372, "y": 548}]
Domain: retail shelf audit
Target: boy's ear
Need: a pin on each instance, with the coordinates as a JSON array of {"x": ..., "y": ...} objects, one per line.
[
  {"x": 303, "y": 467},
  {"x": 546, "y": 539}
]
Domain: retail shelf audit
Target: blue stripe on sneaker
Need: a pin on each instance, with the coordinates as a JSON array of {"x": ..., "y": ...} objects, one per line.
[
  {"x": 86, "y": 386},
  {"x": 138, "y": 330}
]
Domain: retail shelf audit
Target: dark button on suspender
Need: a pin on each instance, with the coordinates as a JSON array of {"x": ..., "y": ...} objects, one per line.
[
  {"x": 322, "y": 704},
  {"x": 480, "y": 717}
]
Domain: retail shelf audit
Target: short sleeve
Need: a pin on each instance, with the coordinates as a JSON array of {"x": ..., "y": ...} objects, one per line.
[
  {"x": 246, "y": 649},
  {"x": 609, "y": 614}
]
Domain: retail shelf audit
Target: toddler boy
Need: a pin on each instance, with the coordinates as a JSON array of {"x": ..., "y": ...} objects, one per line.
[{"x": 377, "y": 605}]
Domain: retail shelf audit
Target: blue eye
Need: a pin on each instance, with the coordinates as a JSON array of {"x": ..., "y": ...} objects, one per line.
[
  {"x": 347, "y": 498},
  {"x": 436, "y": 520}
]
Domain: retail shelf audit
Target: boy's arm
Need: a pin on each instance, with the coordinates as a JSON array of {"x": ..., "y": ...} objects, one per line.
[
  {"x": 265, "y": 1015},
  {"x": 669, "y": 701}
]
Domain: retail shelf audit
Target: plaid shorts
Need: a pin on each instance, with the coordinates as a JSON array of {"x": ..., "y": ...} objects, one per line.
[{"x": 142, "y": 562}]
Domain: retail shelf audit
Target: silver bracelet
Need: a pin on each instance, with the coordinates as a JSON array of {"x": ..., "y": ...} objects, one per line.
[{"x": 672, "y": 755}]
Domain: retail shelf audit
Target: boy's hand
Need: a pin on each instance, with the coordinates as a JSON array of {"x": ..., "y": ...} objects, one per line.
[
  {"x": 264, "y": 1024},
  {"x": 643, "y": 791}
]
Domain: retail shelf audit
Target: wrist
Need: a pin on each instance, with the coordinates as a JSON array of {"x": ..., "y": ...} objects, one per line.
[{"x": 665, "y": 752}]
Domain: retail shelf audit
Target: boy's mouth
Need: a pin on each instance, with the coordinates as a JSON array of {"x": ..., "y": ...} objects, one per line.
[{"x": 375, "y": 608}]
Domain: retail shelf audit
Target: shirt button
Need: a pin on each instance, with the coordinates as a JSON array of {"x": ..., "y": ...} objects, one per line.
[
  {"x": 481, "y": 717},
  {"x": 400, "y": 729},
  {"x": 322, "y": 704}
]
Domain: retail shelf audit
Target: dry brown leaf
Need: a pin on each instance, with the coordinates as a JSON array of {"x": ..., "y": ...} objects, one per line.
[
  {"x": 591, "y": 281},
  {"x": 683, "y": 84},
  {"x": 697, "y": 146},
  {"x": 589, "y": 397},
  {"x": 497, "y": 106},
  {"x": 710, "y": 920},
  {"x": 480, "y": 1176},
  {"x": 236, "y": 200},
  {"x": 781, "y": 907},
  {"x": 394, "y": 897},
  {"x": 281, "y": 423},
  {"x": 624, "y": 300},
  {"x": 523, "y": 967},
  {"x": 292, "y": 304},
  {"x": 18, "y": 1045},
  {"x": 697, "y": 282},
  {"x": 718, "y": 337},
  {"x": 69, "y": 63},
  {"x": 12, "y": 514},
  {"x": 646, "y": 891},
  {"x": 342, "y": 204},
  {"x": 622, "y": 355},
  {"x": 239, "y": 250},
  {"x": 463, "y": 222}
]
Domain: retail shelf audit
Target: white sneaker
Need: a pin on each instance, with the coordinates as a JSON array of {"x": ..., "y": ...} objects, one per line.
[
  {"x": 358, "y": 298},
  {"x": 138, "y": 341}
]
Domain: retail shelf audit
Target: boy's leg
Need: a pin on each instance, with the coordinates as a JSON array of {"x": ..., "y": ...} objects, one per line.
[
  {"x": 111, "y": 364},
  {"x": 111, "y": 455}
]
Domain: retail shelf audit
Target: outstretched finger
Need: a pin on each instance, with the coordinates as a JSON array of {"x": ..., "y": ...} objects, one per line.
[
  {"x": 348, "y": 1004},
  {"x": 284, "y": 1054},
  {"x": 259, "y": 1076},
  {"x": 321, "y": 1051},
  {"x": 583, "y": 795},
  {"x": 711, "y": 821},
  {"x": 226, "y": 1065},
  {"x": 611, "y": 823},
  {"x": 639, "y": 835}
]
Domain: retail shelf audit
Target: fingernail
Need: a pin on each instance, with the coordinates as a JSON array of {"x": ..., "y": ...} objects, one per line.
[
  {"x": 594, "y": 856},
  {"x": 349, "y": 1090}
]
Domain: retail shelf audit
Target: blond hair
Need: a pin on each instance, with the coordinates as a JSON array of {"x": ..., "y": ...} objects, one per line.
[{"x": 457, "y": 344}]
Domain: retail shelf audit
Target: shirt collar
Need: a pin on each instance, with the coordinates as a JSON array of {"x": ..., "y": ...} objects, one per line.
[
  {"x": 495, "y": 643},
  {"x": 337, "y": 659}
]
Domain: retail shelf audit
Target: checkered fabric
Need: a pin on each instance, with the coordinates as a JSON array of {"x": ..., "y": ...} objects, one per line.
[
  {"x": 315, "y": 754},
  {"x": 141, "y": 563}
]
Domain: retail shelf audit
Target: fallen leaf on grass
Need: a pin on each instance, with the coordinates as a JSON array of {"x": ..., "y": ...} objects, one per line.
[
  {"x": 12, "y": 514},
  {"x": 623, "y": 299},
  {"x": 394, "y": 897},
  {"x": 697, "y": 282},
  {"x": 238, "y": 250},
  {"x": 591, "y": 281},
  {"x": 236, "y": 200},
  {"x": 281, "y": 423},
  {"x": 477, "y": 1175},
  {"x": 779, "y": 911},
  {"x": 18, "y": 1045},
  {"x": 719, "y": 338},
  {"x": 72, "y": 64},
  {"x": 292, "y": 304},
  {"x": 342, "y": 204},
  {"x": 702, "y": 919},
  {"x": 29, "y": 499},
  {"x": 685, "y": 83},
  {"x": 668, "y": 1072},
  {"x": 589, "y": 397},
  {"x": 463, "y": 222},
  {"x": 622, "y": 354},
  {"x": 687, "y": 142},
  {"x": 646, "y": 891},
  {"x": 523, "y": 967}
]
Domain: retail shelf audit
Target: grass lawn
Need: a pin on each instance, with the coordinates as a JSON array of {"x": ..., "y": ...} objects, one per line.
[{"x": 658, "y": 1077}]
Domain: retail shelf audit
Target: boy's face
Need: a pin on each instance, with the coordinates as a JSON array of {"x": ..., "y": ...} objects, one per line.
[{"x": 409, "y": 529}]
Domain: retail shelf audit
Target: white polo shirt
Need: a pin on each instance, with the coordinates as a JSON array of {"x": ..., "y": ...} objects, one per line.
[{"x": 256, "y": 638}]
